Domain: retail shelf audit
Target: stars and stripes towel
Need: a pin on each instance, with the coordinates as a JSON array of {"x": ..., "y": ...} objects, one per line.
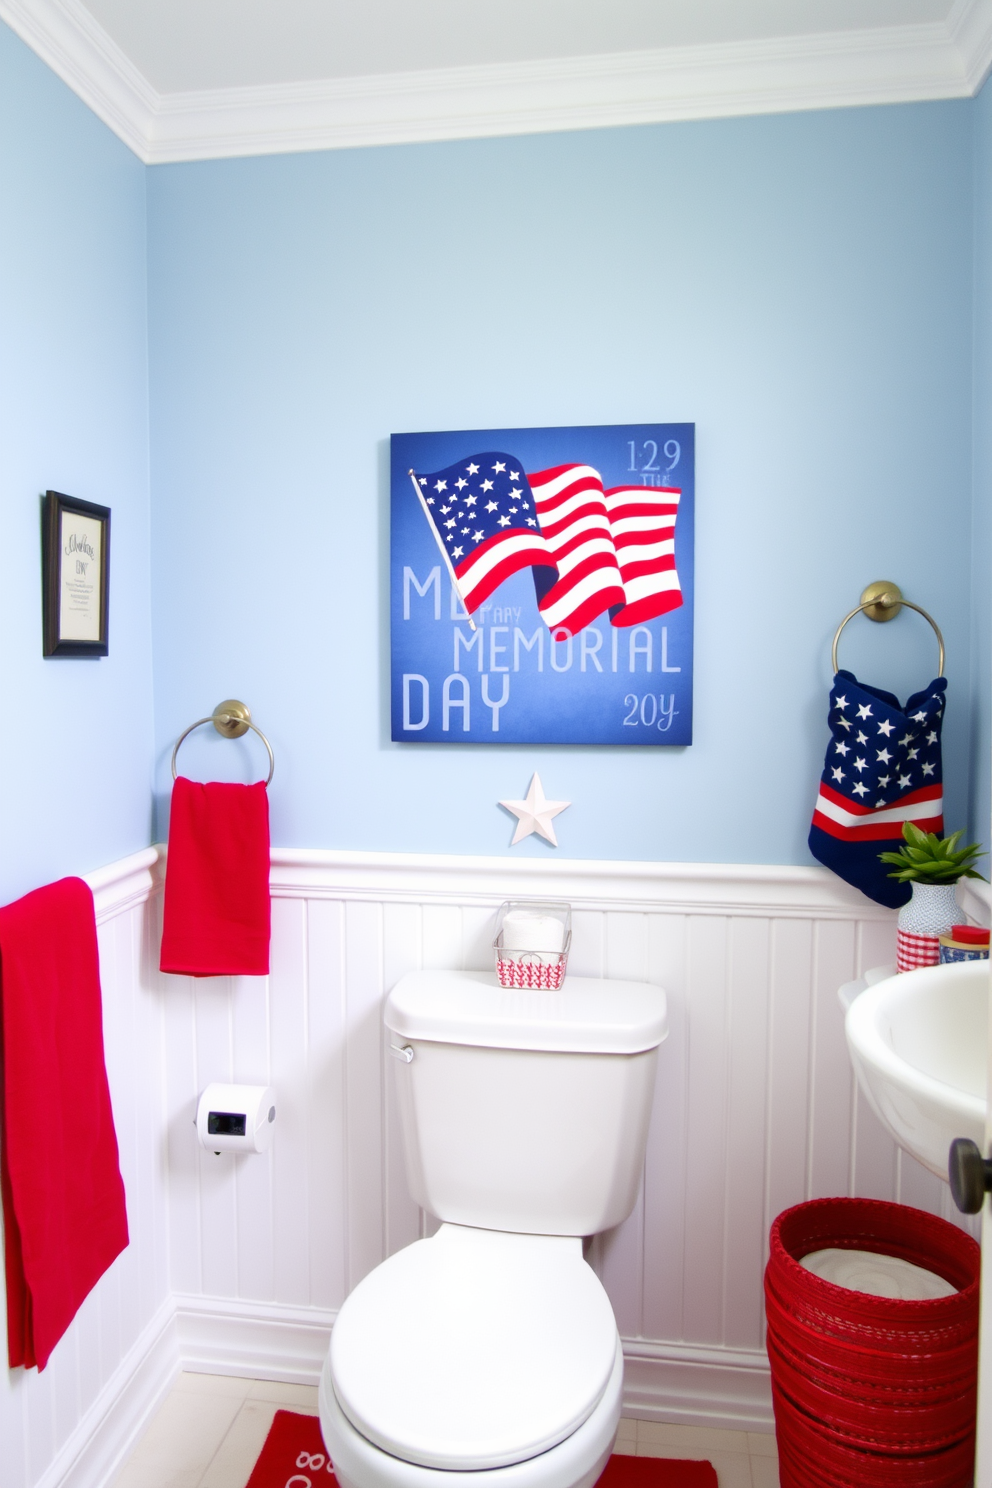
[
  {"x": 882, "y": 769},
  {"x": 592, "y": 548}
]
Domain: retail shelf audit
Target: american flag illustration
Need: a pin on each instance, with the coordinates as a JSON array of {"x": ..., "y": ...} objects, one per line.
[
  {"x": 572, "y": 511},
  {"x": 612, "y": 547},
  {"x": 883, "y": 768},
  {"x": 592, "y": 548},
  {"x": 482, "y": 512}
]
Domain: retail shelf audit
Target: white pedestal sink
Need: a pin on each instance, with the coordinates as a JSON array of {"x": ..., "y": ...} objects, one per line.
[{"x": 919, "y": 1045}]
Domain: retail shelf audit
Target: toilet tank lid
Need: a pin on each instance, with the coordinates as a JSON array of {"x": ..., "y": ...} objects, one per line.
[{"x": 588, "y": 1015}]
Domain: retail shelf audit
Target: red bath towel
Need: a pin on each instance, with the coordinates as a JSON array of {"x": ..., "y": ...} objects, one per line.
[
  {"x": 63, "y": 1199},
  {"x": 217, "y": 912}
]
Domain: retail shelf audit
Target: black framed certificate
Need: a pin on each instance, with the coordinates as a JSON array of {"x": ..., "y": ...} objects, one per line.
[{"x": 75, "y": 545}]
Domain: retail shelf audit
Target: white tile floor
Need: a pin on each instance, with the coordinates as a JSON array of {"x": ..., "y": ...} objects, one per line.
[{"x": 210, "y": 1429}]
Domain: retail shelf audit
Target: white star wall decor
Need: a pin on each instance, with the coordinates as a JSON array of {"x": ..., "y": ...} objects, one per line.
[{"x": 534, "y": 813}]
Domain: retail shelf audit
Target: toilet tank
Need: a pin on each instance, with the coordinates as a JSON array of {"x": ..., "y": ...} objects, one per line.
[{"x": 524, "y": 1110}]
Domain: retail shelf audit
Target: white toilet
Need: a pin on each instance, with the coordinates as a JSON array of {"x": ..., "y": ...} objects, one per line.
[{"x": 489, "y": 1355}]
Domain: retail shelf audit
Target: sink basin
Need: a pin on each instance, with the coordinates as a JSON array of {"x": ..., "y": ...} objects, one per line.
[{"x": 918, "y": 1043}]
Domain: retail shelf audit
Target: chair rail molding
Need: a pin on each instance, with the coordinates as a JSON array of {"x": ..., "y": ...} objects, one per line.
[
  {"x": 894, "y": 64},
  {"x": 123, "y": 885},
  {"x": 697, "y": 888},
  {"x": 591, "y": 883}
]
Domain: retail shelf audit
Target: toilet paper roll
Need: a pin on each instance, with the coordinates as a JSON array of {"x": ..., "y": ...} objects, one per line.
[
  {"x": 524, "y": 932},
  {"x": 236, "y": 1118}
]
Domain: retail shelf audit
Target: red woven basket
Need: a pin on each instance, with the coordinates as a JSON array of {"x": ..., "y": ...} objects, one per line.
[
  {"x": 905, "y": 1372},
  {"x": 885, "y": 1421},
  {"x": 812, "y": 1456},
  {"x": 872, "y": 1391},
  {"x": 886, "y": 1229}
]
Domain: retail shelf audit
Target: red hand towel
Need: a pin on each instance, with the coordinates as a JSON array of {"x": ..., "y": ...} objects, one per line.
[
  {"x": 64, "y": 1214},
  {"x": 217, "y": 913}
]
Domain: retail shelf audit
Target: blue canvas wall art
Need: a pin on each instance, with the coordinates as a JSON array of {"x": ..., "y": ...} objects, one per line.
[{"x": 542, "y": 585}]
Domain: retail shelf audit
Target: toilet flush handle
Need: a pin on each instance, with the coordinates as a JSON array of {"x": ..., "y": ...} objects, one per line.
[{"x": 405, "y": 1053}]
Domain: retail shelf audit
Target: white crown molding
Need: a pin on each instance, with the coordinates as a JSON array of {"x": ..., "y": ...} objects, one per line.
[
  {"x": 898, "y": 64},
  {"x": 65, "y": 35},
  {"x": 970, "y": 28}
]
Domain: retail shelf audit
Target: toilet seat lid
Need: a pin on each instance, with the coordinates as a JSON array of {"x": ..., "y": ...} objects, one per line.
[{"x": 474, "y": 1349}]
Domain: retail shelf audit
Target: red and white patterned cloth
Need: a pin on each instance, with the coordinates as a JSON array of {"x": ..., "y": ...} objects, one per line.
[{"x": 913, "y": 951}]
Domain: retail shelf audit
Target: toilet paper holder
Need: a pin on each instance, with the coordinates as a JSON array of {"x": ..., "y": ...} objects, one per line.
[{"x": 236, "y": 1118}]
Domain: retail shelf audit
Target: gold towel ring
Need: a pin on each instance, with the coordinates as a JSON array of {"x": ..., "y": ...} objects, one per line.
[
  {"x": 232, "y": 719},
  {"x": 883, "y": 601}
]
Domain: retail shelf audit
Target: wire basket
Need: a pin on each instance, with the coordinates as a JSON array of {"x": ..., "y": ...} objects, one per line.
[{"x": 532, "y": 941}]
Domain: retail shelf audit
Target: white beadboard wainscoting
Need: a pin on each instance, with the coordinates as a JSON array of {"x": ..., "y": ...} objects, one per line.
[
  {"x": 238, "y": 1264},
  {"x": 756, "y": 1107}
]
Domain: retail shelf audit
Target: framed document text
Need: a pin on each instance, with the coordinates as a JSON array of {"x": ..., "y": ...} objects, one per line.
[{"x": 75, "y": 548}]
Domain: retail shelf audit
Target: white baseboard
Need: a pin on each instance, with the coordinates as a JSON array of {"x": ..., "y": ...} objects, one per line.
[
  {"x": 718, "y": 1387},
  {"x": 254, "y": 1340},
  {"x": 108, "y": 1431},
  {"x": 722, "y": 1388}
]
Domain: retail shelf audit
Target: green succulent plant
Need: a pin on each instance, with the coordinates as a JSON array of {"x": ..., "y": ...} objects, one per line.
[{"x": 927, "y": 858}]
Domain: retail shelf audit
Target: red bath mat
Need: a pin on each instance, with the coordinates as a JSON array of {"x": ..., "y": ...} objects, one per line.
[{"x": 294, "y": 1454}]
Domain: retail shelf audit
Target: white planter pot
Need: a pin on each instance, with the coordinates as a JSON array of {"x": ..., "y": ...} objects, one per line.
[{"x": 930, "y": 913}]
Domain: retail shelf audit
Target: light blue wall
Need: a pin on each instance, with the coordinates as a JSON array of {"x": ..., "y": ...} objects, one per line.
[
  {"x": 800, "y": 286},
  {"x": 76, "y": 735},
  {"x": 981, "y": 556}
]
